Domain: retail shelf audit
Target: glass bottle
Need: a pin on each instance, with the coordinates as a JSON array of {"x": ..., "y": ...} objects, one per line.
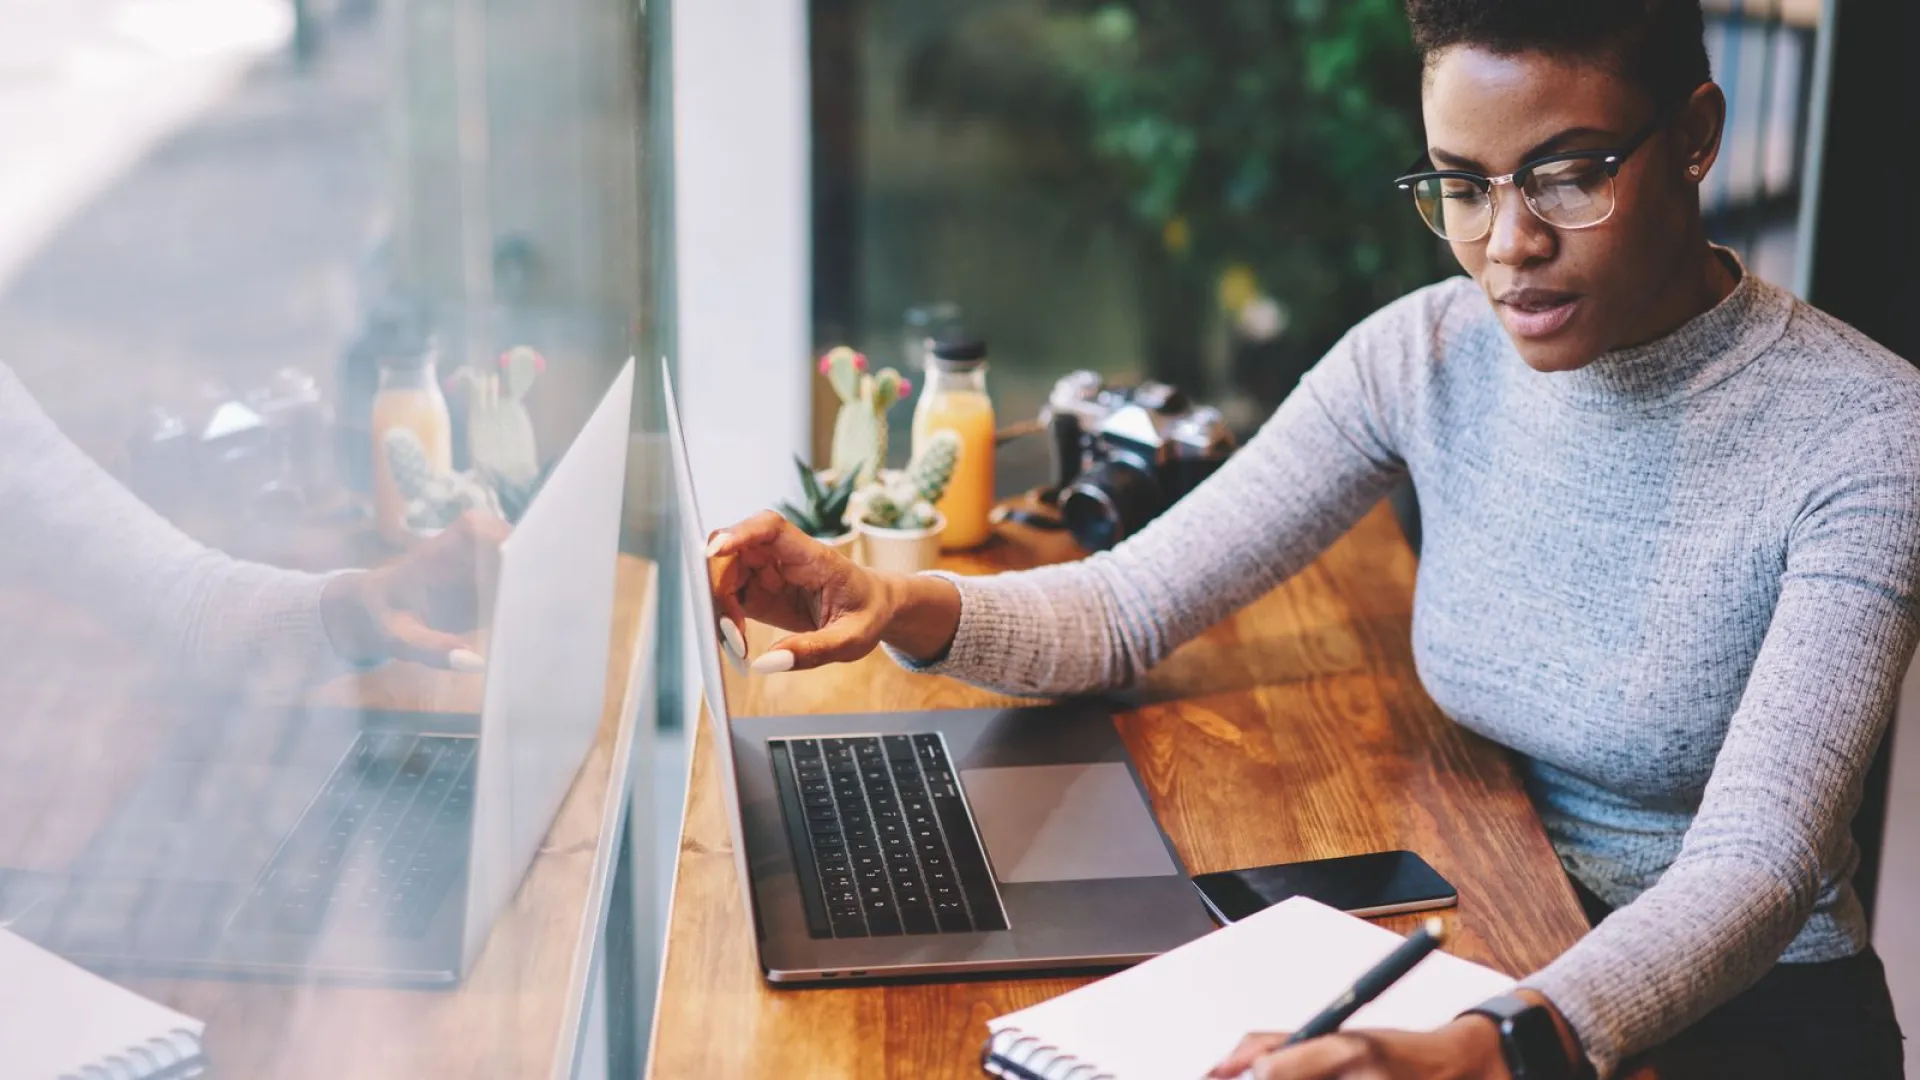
[
  {"x": 954, "y": 398},
  {"x": 409, "y": 397}
]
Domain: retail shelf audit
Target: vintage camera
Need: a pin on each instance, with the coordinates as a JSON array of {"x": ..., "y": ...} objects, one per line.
[
  {"x": 1122, "y": 455},
  {"x": 258, "y": 453}
]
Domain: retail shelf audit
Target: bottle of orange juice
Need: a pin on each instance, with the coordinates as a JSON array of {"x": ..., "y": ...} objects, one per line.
[
  {"x": 409, "y": 397},
  {"x": 955, "y": 399}
]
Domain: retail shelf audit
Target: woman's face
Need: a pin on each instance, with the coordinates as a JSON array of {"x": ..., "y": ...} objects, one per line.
[{"x": 1567, "y": 295}]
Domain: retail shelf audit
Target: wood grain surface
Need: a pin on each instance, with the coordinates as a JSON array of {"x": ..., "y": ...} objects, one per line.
[
  {"x": 516, "y": 1013},
  {"x": 1296, "y": 729}
]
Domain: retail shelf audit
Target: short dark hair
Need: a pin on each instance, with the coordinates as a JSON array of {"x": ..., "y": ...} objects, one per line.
[{"x": 1660, "y": 44}]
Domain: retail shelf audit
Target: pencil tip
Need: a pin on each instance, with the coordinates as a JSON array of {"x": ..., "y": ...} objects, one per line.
[{"x": 1437, "y": 928}]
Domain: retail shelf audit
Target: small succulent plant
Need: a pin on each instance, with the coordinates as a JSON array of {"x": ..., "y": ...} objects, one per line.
[
  {"x": 906, "y": 501},
  {"x": 823, "y": 514}
]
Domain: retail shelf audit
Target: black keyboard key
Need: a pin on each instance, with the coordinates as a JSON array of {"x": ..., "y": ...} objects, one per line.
[
  {"x": 918, "y": 920},
  {"x": 883, "y": 920},
  {"x": 849, "y": 926},
  {"x": 952, "y": 917}
]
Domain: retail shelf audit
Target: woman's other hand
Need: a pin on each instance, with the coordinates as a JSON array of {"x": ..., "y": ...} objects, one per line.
[{"x": 1467, "y": 1049}]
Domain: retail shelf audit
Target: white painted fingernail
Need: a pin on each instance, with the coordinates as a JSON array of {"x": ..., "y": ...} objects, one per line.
[
  {"x": 736, "y": 641},
  {"x": 735, "y": 661},
  {"x": 774, "y": 663},
  {"x": 714, "y": 545},
  {"x": 466, "y": 660}
]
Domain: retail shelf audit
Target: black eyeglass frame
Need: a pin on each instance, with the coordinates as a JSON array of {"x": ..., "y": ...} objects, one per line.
[{"x": 1610, "y": 160}]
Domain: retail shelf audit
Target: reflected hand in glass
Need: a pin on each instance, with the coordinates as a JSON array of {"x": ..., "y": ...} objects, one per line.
[
  {"x": 1572, "y": 190},
  {"x": 419, "y": 607}
]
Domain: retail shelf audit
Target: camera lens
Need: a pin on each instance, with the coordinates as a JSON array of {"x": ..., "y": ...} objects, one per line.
[{"x": 1109, "y": 504}]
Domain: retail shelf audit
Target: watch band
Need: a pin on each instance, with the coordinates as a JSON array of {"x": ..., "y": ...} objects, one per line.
[{"x": 1529, "y": 1040}]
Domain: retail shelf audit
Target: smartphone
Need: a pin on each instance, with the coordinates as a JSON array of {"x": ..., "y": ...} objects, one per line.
[{"x": 1379, "y": 883}]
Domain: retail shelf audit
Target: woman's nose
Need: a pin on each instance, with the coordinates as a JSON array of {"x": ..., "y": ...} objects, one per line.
[{"x": 1517, "y": 236}]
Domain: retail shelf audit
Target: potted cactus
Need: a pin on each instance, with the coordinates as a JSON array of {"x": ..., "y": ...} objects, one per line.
[
  {"x": 822, "y": 513},
  {"x": 860, "y": 427},
  {"x": 895, "y": 517}
]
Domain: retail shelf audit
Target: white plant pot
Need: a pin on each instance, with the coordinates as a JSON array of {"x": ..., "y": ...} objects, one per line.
[{"x": 901, "y": 551}]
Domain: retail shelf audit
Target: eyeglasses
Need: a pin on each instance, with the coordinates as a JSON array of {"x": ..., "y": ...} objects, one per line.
[{"x": 1573, "y": 190}]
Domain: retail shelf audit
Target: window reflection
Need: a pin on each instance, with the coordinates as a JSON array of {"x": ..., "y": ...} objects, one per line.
[{"x": 305, "y": 308}]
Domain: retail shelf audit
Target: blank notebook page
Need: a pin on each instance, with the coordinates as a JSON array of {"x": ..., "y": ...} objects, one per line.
[
  {"x": 1178, "y": 1014},
  {"x": 57, "y": 1019}
]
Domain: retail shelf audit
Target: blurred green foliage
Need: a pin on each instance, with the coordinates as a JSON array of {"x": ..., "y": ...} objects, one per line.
[{"x": 1222, "y": 133}]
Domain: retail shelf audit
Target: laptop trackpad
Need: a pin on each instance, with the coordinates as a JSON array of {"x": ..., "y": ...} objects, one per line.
[{"x": 1065, "y": 823}]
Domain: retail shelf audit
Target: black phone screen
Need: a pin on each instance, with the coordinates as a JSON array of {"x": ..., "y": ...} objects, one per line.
[{"x": 1379, "y": 883}]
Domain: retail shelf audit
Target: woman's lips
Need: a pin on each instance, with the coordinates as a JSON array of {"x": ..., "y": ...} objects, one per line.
[{"x": 1537, "y": 313}]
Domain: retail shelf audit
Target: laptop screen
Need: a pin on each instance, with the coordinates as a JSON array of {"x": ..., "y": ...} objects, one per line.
[
  {"x": 705, "y": 632},
  {"x": 693, "y": 546}
]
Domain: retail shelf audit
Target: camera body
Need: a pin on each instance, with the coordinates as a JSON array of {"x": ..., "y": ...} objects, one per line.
[
  {"x": 1123, "y": 455},
  {"x": 257, "y": 453}
]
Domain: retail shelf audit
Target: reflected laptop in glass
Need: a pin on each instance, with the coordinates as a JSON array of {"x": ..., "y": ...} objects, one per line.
[
  {"x": 379, "y": 846},
  {"x": 881, "y": 845}
]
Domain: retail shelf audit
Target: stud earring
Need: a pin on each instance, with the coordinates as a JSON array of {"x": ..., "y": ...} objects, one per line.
[{"x": 1693, "y": 170}]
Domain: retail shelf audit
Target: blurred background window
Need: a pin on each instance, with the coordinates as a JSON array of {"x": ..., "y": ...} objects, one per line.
[{"x": 1196, "y": 193}]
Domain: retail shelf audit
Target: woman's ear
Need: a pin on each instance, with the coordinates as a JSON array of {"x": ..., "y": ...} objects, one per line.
[{"x": 1701, "y": 120}]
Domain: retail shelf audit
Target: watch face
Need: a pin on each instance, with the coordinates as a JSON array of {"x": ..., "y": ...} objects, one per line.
[{"x": 1532, "y": 1045}]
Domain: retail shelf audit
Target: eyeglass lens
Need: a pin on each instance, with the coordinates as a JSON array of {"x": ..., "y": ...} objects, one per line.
[{"x": 1571, "y": 194}]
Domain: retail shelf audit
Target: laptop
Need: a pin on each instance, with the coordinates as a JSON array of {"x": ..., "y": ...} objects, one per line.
[
  {"x": 341, "y": 844},
  {"x": 933, "y": 843}
]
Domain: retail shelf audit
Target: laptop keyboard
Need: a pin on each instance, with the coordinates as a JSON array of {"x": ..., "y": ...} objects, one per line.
[
  {"x": 883, "y": 838},
  {"x": 383, "y": 842}
]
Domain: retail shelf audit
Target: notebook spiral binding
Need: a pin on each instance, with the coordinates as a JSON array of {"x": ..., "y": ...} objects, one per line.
[
  {"x": 1010, "y": 1054},
  {"x": 174, "y": 1056}
]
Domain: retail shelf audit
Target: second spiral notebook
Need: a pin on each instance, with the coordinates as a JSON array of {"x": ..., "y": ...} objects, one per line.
[
  {"x": 1178, "y": 1014},
  {"x": 61, "y": 1022}
]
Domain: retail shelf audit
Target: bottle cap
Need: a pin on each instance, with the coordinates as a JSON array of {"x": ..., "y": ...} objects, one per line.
[{"x": 958, "y": 353}]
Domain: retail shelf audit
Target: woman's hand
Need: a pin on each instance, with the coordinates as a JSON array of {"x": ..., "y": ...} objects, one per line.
[
  {"x": 767, "y": 569},
  {"x": 1467, "y": 1049},
  {"x": 418, "y": 608}
]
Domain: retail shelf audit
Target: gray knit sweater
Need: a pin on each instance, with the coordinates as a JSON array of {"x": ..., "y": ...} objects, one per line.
[
  {"x": 1681, "y": 582},
  {"x": 67, "y": 527}
]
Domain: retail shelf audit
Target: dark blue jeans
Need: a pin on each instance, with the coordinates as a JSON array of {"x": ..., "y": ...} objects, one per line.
[{"x": 1810, "y": 1021}]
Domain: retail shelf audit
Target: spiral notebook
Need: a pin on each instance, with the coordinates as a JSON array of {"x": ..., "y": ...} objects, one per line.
[
  {"x": 1179, "y": 1014},
  {"x": 62, "y": 1022}
]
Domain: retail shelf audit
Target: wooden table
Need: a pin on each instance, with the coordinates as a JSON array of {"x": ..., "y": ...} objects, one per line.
[
  {"x": 523, "y": 1009},
  {"x": 1296, "y": 729}
]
